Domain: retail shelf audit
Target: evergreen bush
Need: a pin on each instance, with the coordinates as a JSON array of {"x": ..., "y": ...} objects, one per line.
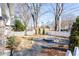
[
  {"x": 74, "y": 37},
  {"x": 19, "y": 26},
  {"x": 39, "y": 31},
  {"x": 12, "y": 44},
  {"x": 43, "y": 31}
]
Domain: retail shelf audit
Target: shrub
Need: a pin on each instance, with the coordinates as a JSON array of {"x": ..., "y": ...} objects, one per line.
[
  {"x": 39, "y": 31},
  {"x": 43, "y": 31},
  {"x": 74, "y": 37},
  {"x": 19, "y": 26},
  {"x": 12, "y": 44}
]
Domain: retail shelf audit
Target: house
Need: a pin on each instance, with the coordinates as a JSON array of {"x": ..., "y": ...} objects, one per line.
[
  {"x": 2, "y": 36},
  {"x": 2, "y": 25}
]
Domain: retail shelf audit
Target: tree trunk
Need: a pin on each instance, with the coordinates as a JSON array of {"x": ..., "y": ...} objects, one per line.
[
  {"x": 35, "y": 27},
  {"x": 11, "y": 52},
  {"x": 35, "y": 24},
  {"x": 11, "y": 11},
  {"x": 59, "y": 23},
  {"x": 58, "y": 12},
  {"x": 56, "y": 23},
  {"x": 25, "y": 29}
]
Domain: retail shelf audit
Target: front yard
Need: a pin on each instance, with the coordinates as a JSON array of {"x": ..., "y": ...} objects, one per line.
[{"x": 35, "y": 46}]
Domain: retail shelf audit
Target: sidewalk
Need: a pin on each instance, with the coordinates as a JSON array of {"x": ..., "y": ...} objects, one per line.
[{"x": 57, "y": 33}]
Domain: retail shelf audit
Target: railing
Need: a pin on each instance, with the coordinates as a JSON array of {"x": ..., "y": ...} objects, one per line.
[{"x": 75, "y": 53}]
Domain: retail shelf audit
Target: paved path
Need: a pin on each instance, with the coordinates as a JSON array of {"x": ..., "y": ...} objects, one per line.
[
  {"x": 51, "y": 33},
  {"x": 57, "y": 33},
  {"x": 17, "y": 33}
]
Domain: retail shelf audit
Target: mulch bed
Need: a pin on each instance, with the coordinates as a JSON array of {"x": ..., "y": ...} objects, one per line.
[{"x": 53, "y": 52}]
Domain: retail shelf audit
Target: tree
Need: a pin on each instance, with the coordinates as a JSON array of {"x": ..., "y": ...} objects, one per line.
[
  {"x": 12, "y": 44},
  {"x": 57, "y": 12},
  {"x": 34, "y": 10},
  {"x": 74, "y": 37},
  {"x": 8, "y": 13},
  {"x": 11, "y": 11},
  {"x": 24, "y": 13}
]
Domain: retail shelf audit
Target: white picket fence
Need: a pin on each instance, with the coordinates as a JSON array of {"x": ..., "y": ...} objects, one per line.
[{"x": 75, "y": 53}]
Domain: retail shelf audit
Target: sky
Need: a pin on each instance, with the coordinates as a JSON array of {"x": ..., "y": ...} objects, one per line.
[
  {"x": 70, "y": 9},
  {"x": 0, "y": 12}
]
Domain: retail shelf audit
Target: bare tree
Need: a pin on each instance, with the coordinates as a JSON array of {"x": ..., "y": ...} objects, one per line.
[
  {"x": 34, "y": 10},
  {"x": 25, "y": 15},
  {"x": 57, "y": 12},
  {"x": 7, "y": 13},
  {"x": 11, "y": 11}
]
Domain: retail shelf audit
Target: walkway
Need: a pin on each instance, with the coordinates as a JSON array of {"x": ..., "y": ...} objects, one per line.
[{"x": 57, "y": 33}]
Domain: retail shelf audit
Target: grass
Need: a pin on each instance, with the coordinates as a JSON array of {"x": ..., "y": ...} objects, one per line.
[{"x": 42, "y": 36}]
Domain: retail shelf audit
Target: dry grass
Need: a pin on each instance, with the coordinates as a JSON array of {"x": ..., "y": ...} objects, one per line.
[
  {"x": 26, "y": 43},
  {"x": 41, "y": 36},
  {"x": 53, "y": 52}
]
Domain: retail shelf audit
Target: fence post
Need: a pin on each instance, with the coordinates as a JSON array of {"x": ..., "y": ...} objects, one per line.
[
  {"x": 76, "y": 51},
  {"x": 68, "y": 53}
]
